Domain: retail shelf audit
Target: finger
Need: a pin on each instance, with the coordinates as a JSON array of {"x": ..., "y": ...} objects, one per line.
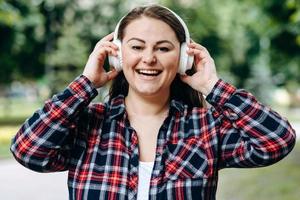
[
  {"x": 108, "y": 37},
  {"x": 197, "y": 56},
  {"x": 106, "y": 44},
  {"x": 197, "y": 46},
  {"x": 112, "y": 74},
  {"x": 186, "y": 79},
  {"x": 104, "y": 51},
  {"x": 99, "y": 55},
  {"x": 201, "y": 58},
  {"x": 194, "y": 45},
  {"x": 200, "y": 53}
]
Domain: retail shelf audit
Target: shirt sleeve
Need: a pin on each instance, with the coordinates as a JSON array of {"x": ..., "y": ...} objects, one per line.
[
  {"x": 45, "y": 140},
  {"x": 251, "y": 134}
]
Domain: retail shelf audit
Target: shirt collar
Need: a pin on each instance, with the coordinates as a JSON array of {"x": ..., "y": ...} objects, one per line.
[
  {"x": 117, "y": 107},
  {"x": 176, "y": 106}
]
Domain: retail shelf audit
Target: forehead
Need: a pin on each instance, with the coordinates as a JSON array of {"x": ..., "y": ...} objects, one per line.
[{"x": 149, "y": 28}]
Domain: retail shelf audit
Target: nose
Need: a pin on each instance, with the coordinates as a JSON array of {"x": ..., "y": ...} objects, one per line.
[{"x": 149, "y": 57}]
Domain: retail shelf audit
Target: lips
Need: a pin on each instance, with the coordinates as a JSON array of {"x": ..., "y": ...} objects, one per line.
[{"x": 148, "y": 72}]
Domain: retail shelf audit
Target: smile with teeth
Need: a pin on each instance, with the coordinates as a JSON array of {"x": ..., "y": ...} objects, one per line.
[{"x": 148, "y": 72}]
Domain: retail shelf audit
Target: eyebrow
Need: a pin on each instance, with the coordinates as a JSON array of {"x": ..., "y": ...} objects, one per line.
[{"x": 159, "y": 42}]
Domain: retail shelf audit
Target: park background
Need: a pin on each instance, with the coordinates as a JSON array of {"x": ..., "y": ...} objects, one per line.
[{"x": 255, "y": 44}]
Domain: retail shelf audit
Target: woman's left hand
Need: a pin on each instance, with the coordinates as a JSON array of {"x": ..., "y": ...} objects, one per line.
[{"x": 206, "y": 75}]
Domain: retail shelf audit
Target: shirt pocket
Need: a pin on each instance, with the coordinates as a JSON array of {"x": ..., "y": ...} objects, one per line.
[{"x": 186, "y": 159}]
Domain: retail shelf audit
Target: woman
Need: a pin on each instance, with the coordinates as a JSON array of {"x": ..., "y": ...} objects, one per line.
[{"x": 153, "y": 139}]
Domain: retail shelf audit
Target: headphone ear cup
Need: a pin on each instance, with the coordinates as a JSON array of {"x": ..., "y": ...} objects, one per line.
[
  {"x": 190, "y": 62},
  {"x": 116, "y": 61},
  {"x": 186, "y": 61}
]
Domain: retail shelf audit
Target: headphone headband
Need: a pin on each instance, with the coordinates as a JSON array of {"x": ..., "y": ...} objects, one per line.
[{"x": 186, "y": 31}]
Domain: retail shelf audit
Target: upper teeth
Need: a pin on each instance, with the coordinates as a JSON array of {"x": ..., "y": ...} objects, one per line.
[{"x": 148, "y": 71}]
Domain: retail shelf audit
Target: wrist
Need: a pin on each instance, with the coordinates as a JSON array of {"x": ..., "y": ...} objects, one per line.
[
  {"x": 91, "y": 80},
  {"x": 209, "y": 86}
]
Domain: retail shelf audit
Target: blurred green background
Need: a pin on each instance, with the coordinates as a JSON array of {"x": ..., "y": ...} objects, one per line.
[{"x": 255, "y": 44}]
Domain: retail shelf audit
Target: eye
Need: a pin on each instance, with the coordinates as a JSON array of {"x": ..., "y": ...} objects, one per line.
[
  {"x": 164, "y": 49},
  {"x": 136, "y": 47}
]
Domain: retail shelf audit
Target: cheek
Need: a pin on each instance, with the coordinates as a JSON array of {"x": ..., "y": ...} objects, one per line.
[
  {"x": 129, "y": 59},
  {"x": 172, "y": 76},
  {"x": 172, "y": 63}
]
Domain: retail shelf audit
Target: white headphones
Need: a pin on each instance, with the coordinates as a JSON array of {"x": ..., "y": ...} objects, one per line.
[{"x": 185, "y": 62}]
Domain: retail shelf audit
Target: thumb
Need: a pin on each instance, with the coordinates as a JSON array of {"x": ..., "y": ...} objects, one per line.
[
  {"x": 112, "y": 74},
  {"x": 186, "y": 79}
]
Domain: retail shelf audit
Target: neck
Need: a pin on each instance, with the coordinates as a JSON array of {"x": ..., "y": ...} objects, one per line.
[{"x": 146, "y": 105}]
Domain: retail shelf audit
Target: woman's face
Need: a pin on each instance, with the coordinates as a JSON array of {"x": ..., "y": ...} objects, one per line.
[{"x": 150, "y": 51}]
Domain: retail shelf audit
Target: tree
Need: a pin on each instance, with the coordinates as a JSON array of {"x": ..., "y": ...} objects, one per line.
[
  {"x": 248, "y": 37},
  {"x": 54, "y": 38},
  {"x": 21, "y": 34}
]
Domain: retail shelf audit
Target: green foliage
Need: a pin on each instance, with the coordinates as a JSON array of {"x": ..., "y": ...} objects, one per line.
[
  {"x": 8, "y": 14},
  {"x": 255, "y": 43},
  {"x": 45, "y": 37},
  {"x": 251, "y": 40},
  {"x": 21, "y": 27}
]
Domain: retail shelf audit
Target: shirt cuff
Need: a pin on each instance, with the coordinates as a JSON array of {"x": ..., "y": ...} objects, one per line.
[
  {"x": 83, "y": 87},
  {"x": 221, "y": 92}
]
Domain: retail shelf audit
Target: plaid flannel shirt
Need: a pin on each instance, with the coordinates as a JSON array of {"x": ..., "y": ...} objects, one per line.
[{"x": 99, "y": 148}]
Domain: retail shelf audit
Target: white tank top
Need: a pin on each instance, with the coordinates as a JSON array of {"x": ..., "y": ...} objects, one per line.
[{"x": 145, "y": 171}]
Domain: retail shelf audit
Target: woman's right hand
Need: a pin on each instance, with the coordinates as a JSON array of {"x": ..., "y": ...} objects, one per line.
[{"x": 93, "y": 69}]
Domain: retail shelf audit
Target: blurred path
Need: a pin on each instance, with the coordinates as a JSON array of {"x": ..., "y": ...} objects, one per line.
[
  {"x": 19, "y": 183},
  {"x": 296, "y": 126}
]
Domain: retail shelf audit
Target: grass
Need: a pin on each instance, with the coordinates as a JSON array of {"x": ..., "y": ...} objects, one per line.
[
  {"x": 6, "y": 134},
  {"x": 292, "y": 114},
  {"x": 280, "y": 181},
  {"x": 14, "y": 112}
]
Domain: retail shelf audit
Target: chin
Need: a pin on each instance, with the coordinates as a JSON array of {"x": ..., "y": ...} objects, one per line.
[{"x": 148, "y": 91}]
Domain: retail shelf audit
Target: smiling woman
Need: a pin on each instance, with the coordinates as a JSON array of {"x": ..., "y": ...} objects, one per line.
[
  {"x": 153, "y": 138},
  {"x": 174, "y": 37},
  {"x": 150, "y": 57}
]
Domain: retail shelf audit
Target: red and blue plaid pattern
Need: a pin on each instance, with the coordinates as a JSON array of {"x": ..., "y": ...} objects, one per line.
[{"x": 99, "y": 148}]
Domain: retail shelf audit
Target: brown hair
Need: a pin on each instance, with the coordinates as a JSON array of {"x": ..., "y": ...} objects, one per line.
[{"x": 179, "y": 90}]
